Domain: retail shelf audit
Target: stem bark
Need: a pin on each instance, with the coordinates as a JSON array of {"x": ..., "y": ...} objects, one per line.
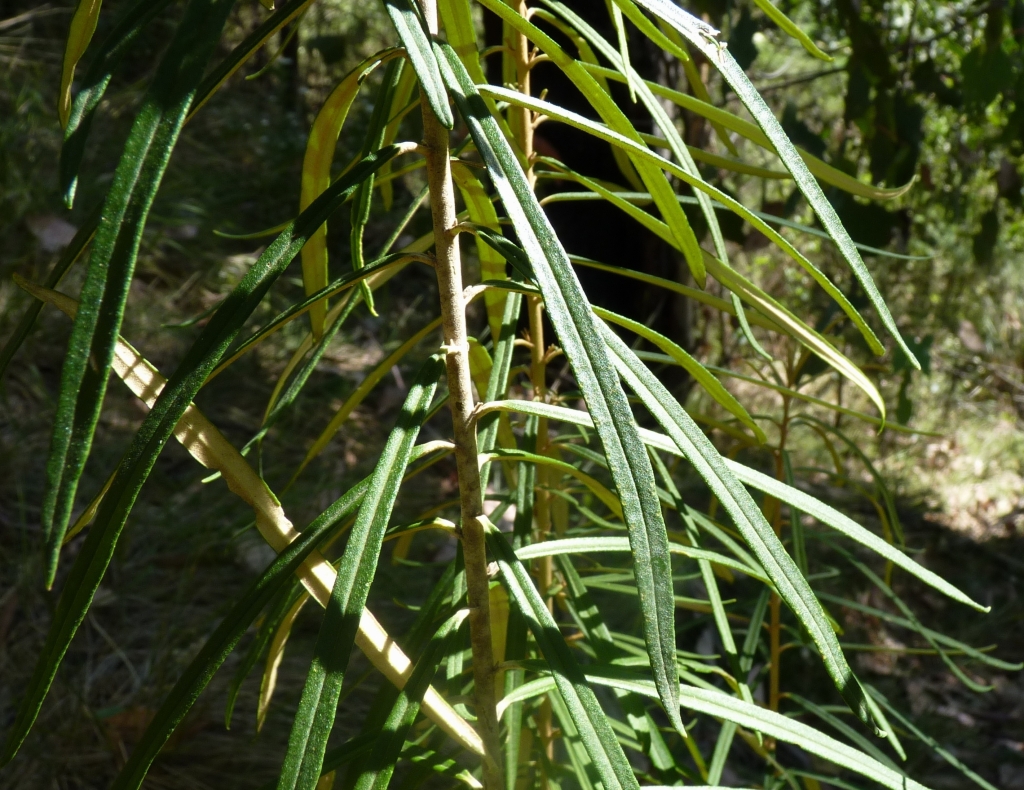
[{"x": 448, "y": 267}]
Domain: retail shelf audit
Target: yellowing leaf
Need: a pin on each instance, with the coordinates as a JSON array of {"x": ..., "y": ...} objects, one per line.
[
  {"x": 316, "y": 175},
  {"x": 274, "y": 656},
  {"x": 83, "y": 25},
  {"x": 208, "y": 446}
]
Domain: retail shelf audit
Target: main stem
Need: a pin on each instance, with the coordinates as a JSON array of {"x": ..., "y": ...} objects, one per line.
[
  {"x": 523, "y": 129},
  {"x": 453, "y": 321}
]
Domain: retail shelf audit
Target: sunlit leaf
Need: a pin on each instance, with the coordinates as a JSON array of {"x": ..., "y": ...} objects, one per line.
[
  {"x": 583, "y": 708},
  {"x": 705, "y": 38},
  {"x": 788, "y": 26},
  {"x": 314, "y": 718},
  {"x": 83, "y": 25},
  {"x": 316, "y": 175},
  {"x": 574, "y": 322},
  {"x": 408, "y": 22},
  {"x": 656, "y": 183}
]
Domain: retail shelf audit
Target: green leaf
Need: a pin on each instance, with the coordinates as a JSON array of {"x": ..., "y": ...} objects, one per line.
[
  {"x": 704, "y": 298},
  {"x": 318, "y": 705},
  {"x": 98, "y": 549},
  {"x": 912, "y": 618},
  {"x": 492, "y": 264},
  {"x": 716, "y": 703},
  {"x": 400, "y": 99},
  {"x": 245, "y": 50},
  {"x": 360, "y": 393},
  {"x": 758, "y": 534},
  {"x": 341, "y": 285},
  {"x": 596, "y": 487},
  {"x": 945, "y": 754},
  {"x": 829, "y": 718},
  {"x": 391, "y": 737},
  {"x": 643, "y": 153},
  {"x": 497, "y": 384},
  {"x": 570, "y": 313},
  {"x": 583, "y": 708},
  {"x": 701, "y": 375},
  {"x": 277, "y": 612},
  {"x": 408, "y": 21},
  {"x": 112, "y": 261},
  {"x": 661, "y": 118},
  {"x": 888, "y": 617},
  {"x": 791, "y": 496},
  {"x": 704, "y": 37},
  {"x": 94, "y": 84},
  {"x": 374, "y": 139},
  {"x": 438, "y": 605},
  {"x": 222, "y": 641},
  {"x": 657, "y": 184},
  {"x": 316, "y": 174},
  {"x": 752, "y": 132},
  {"x": 843, "y": 524},
  {"x": 588, "y": 618},
  {"x": 788, "y": 26},
  {"x": 562, "y": 546}
]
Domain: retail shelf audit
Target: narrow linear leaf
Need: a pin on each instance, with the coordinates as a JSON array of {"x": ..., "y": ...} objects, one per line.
[
  {"x": 701, "y": 375},
  {"x": 112, "y": 262},
  {"x": 288, "y": 12},
  {"x": 705, "y": 38},
  {"x": 942, "y": 752},
  {"x": 339, "y": 286},
  {"x": 218, "y": 647},
  {"x": 392, "y": 735},
  {"x": 278, "y": 612},
  {"x": 789, "y": 27},
  {"x": 314, "y": 719},
  {"x": 316, "y": 174},
  {"x": 492, "y": 263},
  {"x": 275, "y": 655},
  {"x": 94, "y": 84},
  {"x": 400, "y": 99},
  {"x": 408, "y": 22},
  {"x": 661, "y": 118},
  {"x": 843, "y": 524},
  {"x": 610, "y": 112},
  {"x": 365, "y": 387},
  {"x": 641, "y": 152},
  {"x": 67, "y": 259},
  {"x": 960, "y": 675},
  {"x": 702, "y": 106},
  {"x": 716, "y": 703},
  {"x": 587, "y": 615},
  {"x": 595, "y": 486},
  {"x": 92, "y": 560},
  {"x": 83, "y": 26},
  {"x": 700, "y": 296},
  {"x": 209, "y": 447},
  {"x": 583, "y": 708},
  {"x": 363, "y": 197},
  {"x": 758, "y": 534},
  {"x": 562, "y": 546},
  {"x": 792, "y": 496}
]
